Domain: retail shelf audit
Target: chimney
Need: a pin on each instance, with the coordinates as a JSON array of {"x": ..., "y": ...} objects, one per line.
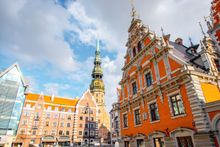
[{"x": 179, "y": 41}]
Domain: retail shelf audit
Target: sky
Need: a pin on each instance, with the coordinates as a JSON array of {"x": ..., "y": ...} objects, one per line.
[{"x": 54, "y": 40}]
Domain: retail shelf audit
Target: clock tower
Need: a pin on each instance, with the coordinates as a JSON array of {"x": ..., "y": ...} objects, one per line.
[{"x": 97, "y": 88}]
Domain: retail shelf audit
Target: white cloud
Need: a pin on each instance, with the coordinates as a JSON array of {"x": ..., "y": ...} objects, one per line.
[
  {"x": 179, "y": 18},
  {"x": 89, "y": 29},
  {"x": 55, "y": 88},
  {"x": 32, "y": 33}
]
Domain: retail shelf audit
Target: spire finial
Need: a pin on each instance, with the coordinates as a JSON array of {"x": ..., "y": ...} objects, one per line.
[
  {"x": 190, "y": 40},
  {"x": 208, "y": 22},
  {"x": 162, "y": 31},
  {"x": 133, "y": 11},
  {"x": 201, "y": 28},
  {"x": 97, "y": 45}
]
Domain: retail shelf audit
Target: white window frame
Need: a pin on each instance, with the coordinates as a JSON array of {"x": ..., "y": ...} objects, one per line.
[
  {"x": 145, "y": 81},
  {"x": 123, "y": 120},
  {"x": 149, "y": 111},
  {"x": 136, "y": 125},
  {"x": 134, "y": 81},
  {"x": 177, "y": 92}
]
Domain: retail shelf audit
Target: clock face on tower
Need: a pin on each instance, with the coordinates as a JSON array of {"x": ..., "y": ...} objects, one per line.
[{"x": 97, "y": 84}]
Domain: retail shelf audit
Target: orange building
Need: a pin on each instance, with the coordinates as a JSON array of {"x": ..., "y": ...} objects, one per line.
[
  {"x": 214, "y": 28},
  {"x": 165, "y": 88}
]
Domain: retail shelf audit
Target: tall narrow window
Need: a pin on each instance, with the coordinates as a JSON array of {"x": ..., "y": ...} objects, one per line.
[
  {"x": 139, "y": 46},
  {"x": 127, "y": 144},
  {"x": 177, "y": 105},
  {"x": 148, "y": 79},
  {"x": 159, "y": 142},
  {"x": 60, "y": 132},
  {"x": 67, "y": 133},
  {"x": 140, "y": 143},
  {"x": 125, "y": 120},
  {"x": 217, "y": 63},
  {"x": 134, "y": 52},
  {"x": 154, "y": 112},
  {"x": 137, "y": 117},
  {"x": 134, "y": 88}
]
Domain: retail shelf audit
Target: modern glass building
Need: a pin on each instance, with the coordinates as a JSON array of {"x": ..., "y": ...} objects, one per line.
[{"x": 12, "y": 96}]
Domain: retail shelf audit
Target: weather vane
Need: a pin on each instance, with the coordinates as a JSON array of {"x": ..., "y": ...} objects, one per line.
[
  {"x": 162, "y": 31},
  {"x": 133, "y": 13},
  {"x": 190, "y": 40},
  {"x": 201, "y": 28}
]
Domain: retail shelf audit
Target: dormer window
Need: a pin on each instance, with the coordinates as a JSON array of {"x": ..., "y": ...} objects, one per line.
[{"x": 134, "y": 52}]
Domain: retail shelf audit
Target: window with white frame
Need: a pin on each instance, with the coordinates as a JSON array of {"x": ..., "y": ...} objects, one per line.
[
  {"x": 140, "y": 143},
  {"x": 69, "y": 117},
  {"x": 63, "y": 116},
  {"x": 125, "y": 120},
  {"x": 134, "y": 88},
  {"x": 177, "y": 105},
  {"x": 185, "y": 141},
  {"x": 137, "y": 116},
  {"x": 56, "y": 116},
  {"x": 56, "y": 108},
  {"x": 28, "y": 105},
  {"x": 27, "y": 113},
  {"x": 53, "y": 132},
  {"x": 80, "y": 132},
  {"x": 148, "y": 79},
  {"x": 36, "y": 123},
  {"x": 54, "y": 124},
  {"x": 24, "y": 122},
  {"x": 62, "y": 124},
  {"x": 159, "y": 142},
  {"x": 154, "y": 111},
  {"x": 37, "y": 115},
  {"x": 22, "y": 131},
  {"x": 48, "y": 115}
]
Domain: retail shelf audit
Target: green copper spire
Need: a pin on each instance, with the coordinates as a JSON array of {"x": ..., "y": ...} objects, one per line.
[{"x": 97, "y": 73}]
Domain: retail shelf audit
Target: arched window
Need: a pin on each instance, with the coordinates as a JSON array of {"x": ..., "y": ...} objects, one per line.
[{"x": 134, "y": 52}]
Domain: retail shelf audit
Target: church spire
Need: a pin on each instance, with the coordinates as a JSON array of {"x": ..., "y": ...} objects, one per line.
[
  {"x": 134, "y": 14},
  {"x": 97, "y": 84}
]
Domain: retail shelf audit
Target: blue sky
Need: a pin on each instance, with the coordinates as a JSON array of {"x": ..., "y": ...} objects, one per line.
[{"x": 54, "y": 41}]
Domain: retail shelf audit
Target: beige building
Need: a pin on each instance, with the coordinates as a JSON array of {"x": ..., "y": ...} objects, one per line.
[
  {"x": 46, "y": 120},
  {"x": 50, "y": 121}
]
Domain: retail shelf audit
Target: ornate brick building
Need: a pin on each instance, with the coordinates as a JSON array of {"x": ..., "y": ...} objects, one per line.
[
  {"x": 165, "y": 89},
  {"x": 214, "y": 27},
  {"x": 46, "y": 120},
  {"x": 51, "y": 120}
]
